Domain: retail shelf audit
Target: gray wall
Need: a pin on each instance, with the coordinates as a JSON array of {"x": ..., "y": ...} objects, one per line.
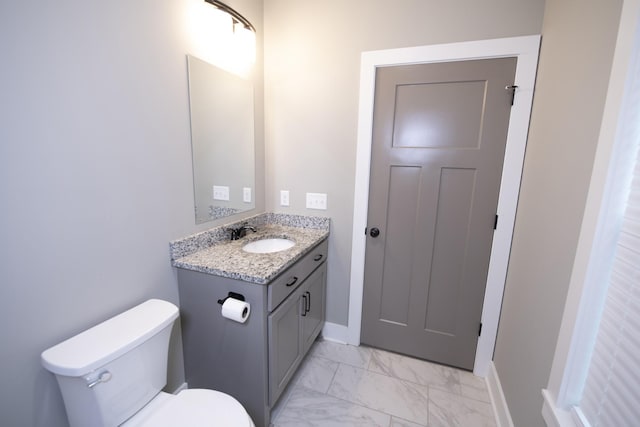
[
  {"x": 312, "y": 70},
  {"x": 95, "y": 166},
  {"x": 95, "y": 175},
  {"x": 311, "y": 73},
  {"x": 575, "y": 62}
]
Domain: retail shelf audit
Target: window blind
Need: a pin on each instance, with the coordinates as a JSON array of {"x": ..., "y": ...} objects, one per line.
[{"x": 611, "y": 395}]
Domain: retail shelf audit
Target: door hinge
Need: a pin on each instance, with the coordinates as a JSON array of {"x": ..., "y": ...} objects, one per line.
[
  {"x": 512, "y": 88},
  {"x": 480, "y": 329},
  {"x": 495, "y": 223}
]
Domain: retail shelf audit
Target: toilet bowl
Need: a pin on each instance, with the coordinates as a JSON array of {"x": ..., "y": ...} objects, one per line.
[
  {"x": 113, "y": 375},
  {"x": 197, "y": 407}
]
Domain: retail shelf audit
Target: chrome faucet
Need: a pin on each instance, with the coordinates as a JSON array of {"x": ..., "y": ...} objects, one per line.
[{"x": 240, "y": 232}]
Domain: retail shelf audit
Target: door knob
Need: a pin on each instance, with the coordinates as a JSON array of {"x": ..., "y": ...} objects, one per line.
[{"x": 374, "y": 232}]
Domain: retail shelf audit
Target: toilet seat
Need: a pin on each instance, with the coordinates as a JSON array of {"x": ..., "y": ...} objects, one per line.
[{"x": 193, "y": 407}]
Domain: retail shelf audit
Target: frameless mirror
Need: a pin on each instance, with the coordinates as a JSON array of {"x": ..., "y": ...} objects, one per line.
[{"x": 222, "y": 132}]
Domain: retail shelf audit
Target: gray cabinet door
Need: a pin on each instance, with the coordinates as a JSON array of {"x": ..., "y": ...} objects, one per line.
[
  {"x": 285, "y": 343},
  {"x": 314, "y": 299},
  {"x": 439, "y": 135},
  {"x": 292, "y": 329}
]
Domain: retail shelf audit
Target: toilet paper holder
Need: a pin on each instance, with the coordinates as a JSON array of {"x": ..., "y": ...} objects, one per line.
[{"x": 231, "y": 295}]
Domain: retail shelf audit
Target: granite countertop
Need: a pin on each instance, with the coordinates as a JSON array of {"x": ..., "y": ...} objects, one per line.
[{"x": 223, "y": 257}]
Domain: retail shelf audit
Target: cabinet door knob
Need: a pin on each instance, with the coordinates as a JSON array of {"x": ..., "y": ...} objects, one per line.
[{"x": 308, "y": 301}]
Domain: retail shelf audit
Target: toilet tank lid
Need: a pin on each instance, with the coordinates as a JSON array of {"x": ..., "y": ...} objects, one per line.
[{"x": 99, "y": 345}]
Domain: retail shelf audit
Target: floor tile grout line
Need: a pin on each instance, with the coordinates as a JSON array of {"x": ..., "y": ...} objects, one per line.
[
  {"x": 330, "y": 395},
  {"x": 351, "y": 403},
  {"x": 429, "y": 388},
  {"x": 286, "y": 395},
  {"x": 369, "y": 357},
  {"x": 340, "y": 361},
  {"x": 390, "y": 375},
  {"x": 376, "y": 409},
  {"x": 438, "y": 387},
  {"x": 333, "y": 377},
  {"x": 464, "y": 396},
  {"x": 459, "y": 393},
  {"x": 409, "y": 421}
]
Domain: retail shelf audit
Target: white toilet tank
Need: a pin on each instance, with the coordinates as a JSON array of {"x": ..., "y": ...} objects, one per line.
[{"x": 109, "y": 372}]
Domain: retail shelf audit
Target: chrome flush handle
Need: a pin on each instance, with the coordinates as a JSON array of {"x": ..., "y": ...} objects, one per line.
[{"x": 103, "y": 377}]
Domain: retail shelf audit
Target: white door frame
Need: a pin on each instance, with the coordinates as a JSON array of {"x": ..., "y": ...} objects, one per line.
[{"x": 526, "y": 49}]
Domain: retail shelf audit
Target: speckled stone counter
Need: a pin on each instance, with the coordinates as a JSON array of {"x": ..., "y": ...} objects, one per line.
[{"x": 213, "y": 252}]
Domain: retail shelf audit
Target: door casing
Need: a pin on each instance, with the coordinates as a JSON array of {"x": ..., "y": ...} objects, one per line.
[{"x": 526, "y": 49}]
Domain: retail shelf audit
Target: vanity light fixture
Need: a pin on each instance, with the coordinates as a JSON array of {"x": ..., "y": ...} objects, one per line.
[{"x": 235, "y": 15}]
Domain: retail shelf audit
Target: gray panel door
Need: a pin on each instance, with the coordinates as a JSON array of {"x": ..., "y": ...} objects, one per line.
[{"x": 439, "y": 135}]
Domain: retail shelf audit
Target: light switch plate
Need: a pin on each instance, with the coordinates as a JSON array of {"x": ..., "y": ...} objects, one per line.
[
  {"x": 220, "y": 192},
  {"x": 284, "y": 197},
  {"x": 246, "y": 194},
  {"x": 317, "y": 201}
]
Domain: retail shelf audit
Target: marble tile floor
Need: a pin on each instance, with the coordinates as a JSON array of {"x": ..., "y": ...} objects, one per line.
[{"x": 341, "y": 385}]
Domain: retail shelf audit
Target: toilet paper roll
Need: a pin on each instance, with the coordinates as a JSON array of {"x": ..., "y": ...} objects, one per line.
[{"x": 236, "y": 310}]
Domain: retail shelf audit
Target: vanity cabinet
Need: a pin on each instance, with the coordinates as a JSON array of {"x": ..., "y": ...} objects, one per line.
[
  {"x": 293, "y": 327},
  {"x": 252, "y": 361}
]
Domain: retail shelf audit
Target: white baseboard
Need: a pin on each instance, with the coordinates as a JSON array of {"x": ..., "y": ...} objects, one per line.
[
  {"x": 335, "y": 332},
  {"x": 558, "y": 417},
  {"x": 548, "y": 412},
  {"x": 498, "y": 401}
]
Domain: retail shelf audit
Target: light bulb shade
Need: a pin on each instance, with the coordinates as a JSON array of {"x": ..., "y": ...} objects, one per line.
[
  {"x": 245, "y": 42},
  {"x": 237, "y": 17},
  {"x": 219, "y": 23},
  {"x": 221, "y": 38}
]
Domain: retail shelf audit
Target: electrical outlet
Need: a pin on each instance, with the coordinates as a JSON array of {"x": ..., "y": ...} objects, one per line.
[
  {"x": 246, "y": 194},
  {"x": 220, "y": 192},
  {"x": 317, "y": 201},
  {"x": 284, "y": 197}
]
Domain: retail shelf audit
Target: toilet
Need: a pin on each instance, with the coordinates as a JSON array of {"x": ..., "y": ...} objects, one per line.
[{"x": 113, "y": 375}]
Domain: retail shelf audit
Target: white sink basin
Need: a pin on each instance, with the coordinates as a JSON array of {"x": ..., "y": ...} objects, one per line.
[{"x": 267, "y": 246}]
